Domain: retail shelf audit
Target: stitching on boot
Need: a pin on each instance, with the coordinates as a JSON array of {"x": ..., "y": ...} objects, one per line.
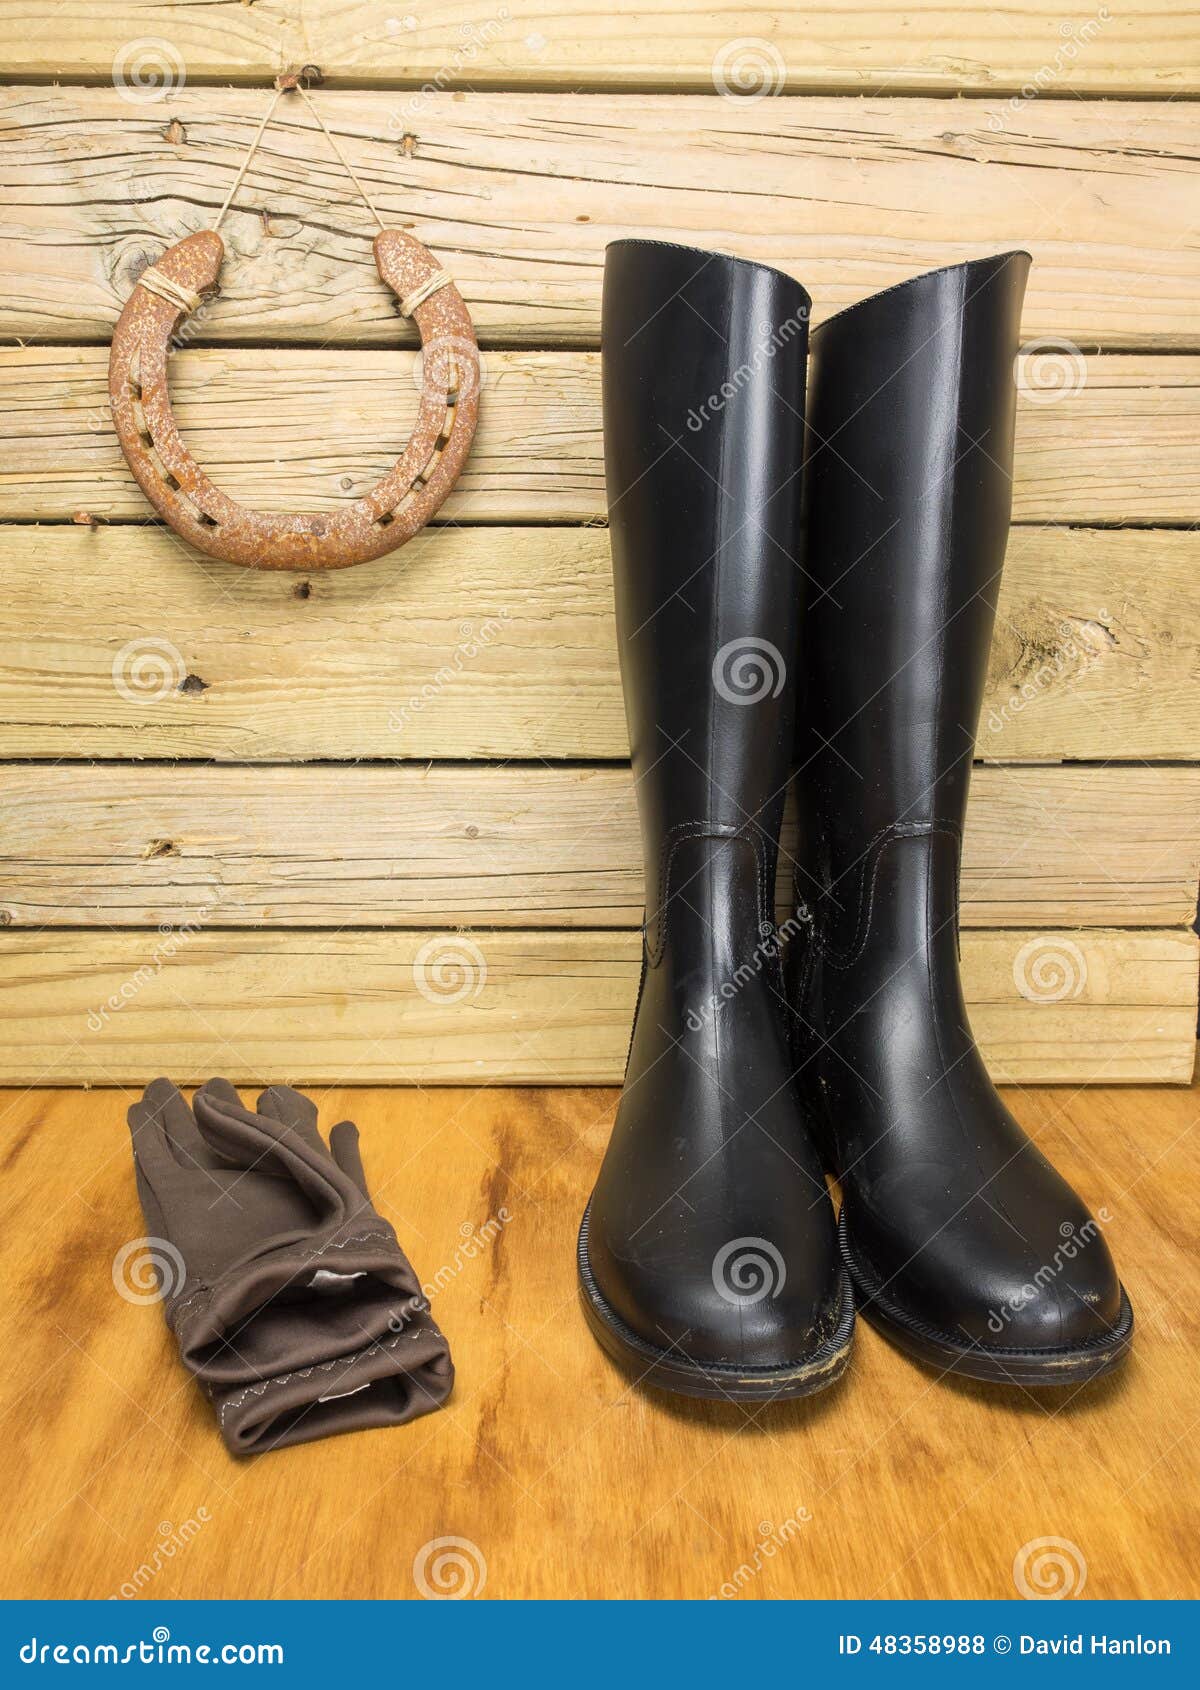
[
  {"x": 846, "y": 956},
  {"x": 656, "y": 925}
]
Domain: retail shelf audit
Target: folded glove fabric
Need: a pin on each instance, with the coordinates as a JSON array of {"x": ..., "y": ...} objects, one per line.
[{"x": 298, "y": 1310}]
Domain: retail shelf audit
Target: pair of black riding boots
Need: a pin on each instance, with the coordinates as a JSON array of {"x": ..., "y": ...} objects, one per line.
[{"x": 813, "y": 607}]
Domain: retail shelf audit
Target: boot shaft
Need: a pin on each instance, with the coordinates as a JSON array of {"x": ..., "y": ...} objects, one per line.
[
  {"x": 703, "y": 374},
  {"x": 908, "y": 496}
]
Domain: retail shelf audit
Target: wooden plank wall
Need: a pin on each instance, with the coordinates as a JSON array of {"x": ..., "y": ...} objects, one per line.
[{"x": 378, "y": 825}]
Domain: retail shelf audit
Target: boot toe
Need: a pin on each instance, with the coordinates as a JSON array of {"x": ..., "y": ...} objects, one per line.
[{"x": 741, "y": 1304}]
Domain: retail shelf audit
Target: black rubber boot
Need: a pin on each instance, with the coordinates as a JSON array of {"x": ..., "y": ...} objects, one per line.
[
  {"x": 965, "y": 1246},
  {"x": 708, "y": 1255}
]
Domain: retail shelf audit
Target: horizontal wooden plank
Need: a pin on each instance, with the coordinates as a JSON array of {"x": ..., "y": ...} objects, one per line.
[
  {"x": 294, "y": 429},
  {"x": 519, "y": 193},
  {"x": 301, "y": 430},
  {"x": 125, "y": 844},
  {"x": 1127, "y": 46},
  {"x": 119, "y": 642},
  {"x": 494, "y": 1007}
]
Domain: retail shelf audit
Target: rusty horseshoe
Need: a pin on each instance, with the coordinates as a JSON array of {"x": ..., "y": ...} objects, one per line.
[{"x": 395, "y": 509}]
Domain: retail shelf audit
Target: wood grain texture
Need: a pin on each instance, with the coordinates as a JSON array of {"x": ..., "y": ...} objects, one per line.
[
  {"x": 518, "y": 194},
  {"x": 568, "y": 1482},
  {"x": 116, "y": 845},
  {"x": 490, "y": 642},
  {"x": 283, "y": 430},
  {"x": 1128, "y": 46},
  {"x": 498, "y": 1007}
]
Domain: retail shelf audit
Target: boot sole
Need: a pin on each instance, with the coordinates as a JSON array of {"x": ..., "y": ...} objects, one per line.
[
  {"x": 671, "y": 1370},
  {"x": 992, "y": 1363}
]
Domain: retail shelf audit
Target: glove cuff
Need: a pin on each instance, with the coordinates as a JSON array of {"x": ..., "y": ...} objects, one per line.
[
  {"x": 298, "y": 1304},
  {"x": 398, "y": 1378}
]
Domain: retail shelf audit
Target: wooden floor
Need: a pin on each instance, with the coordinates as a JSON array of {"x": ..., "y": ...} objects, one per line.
[{"x": 563, "y": 1480}]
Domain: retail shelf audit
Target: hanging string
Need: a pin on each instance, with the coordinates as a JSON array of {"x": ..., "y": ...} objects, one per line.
[
  {"x": 293, "y": 84},
  {"x": 240, "y": 177},
  {"x": 345, "y": 162}
]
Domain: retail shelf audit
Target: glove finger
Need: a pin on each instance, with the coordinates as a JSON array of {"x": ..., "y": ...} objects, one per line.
[
  {"x": 187, "y": 1142},
  {"x": 292, "y": 1109},
  {"x": 344, "y": 1145},
  {"x": 264, "y": 1145},
  {"x": 152, "y": 1150},
  {"x": 228, "y": 1128},
  {"x": 166, "y": 1104}
]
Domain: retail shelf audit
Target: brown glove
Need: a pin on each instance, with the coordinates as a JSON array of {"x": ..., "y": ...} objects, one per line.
[{"x": 297, "y": 1311}]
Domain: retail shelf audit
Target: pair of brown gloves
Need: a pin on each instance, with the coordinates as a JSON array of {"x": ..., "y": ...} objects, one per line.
[{"x": 297, "y": 1310}]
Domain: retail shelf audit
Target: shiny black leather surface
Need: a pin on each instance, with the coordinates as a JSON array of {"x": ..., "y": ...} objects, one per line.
[
  {"x": 710, "y": 1226},
  {"x": 949, "y": 1206}
]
